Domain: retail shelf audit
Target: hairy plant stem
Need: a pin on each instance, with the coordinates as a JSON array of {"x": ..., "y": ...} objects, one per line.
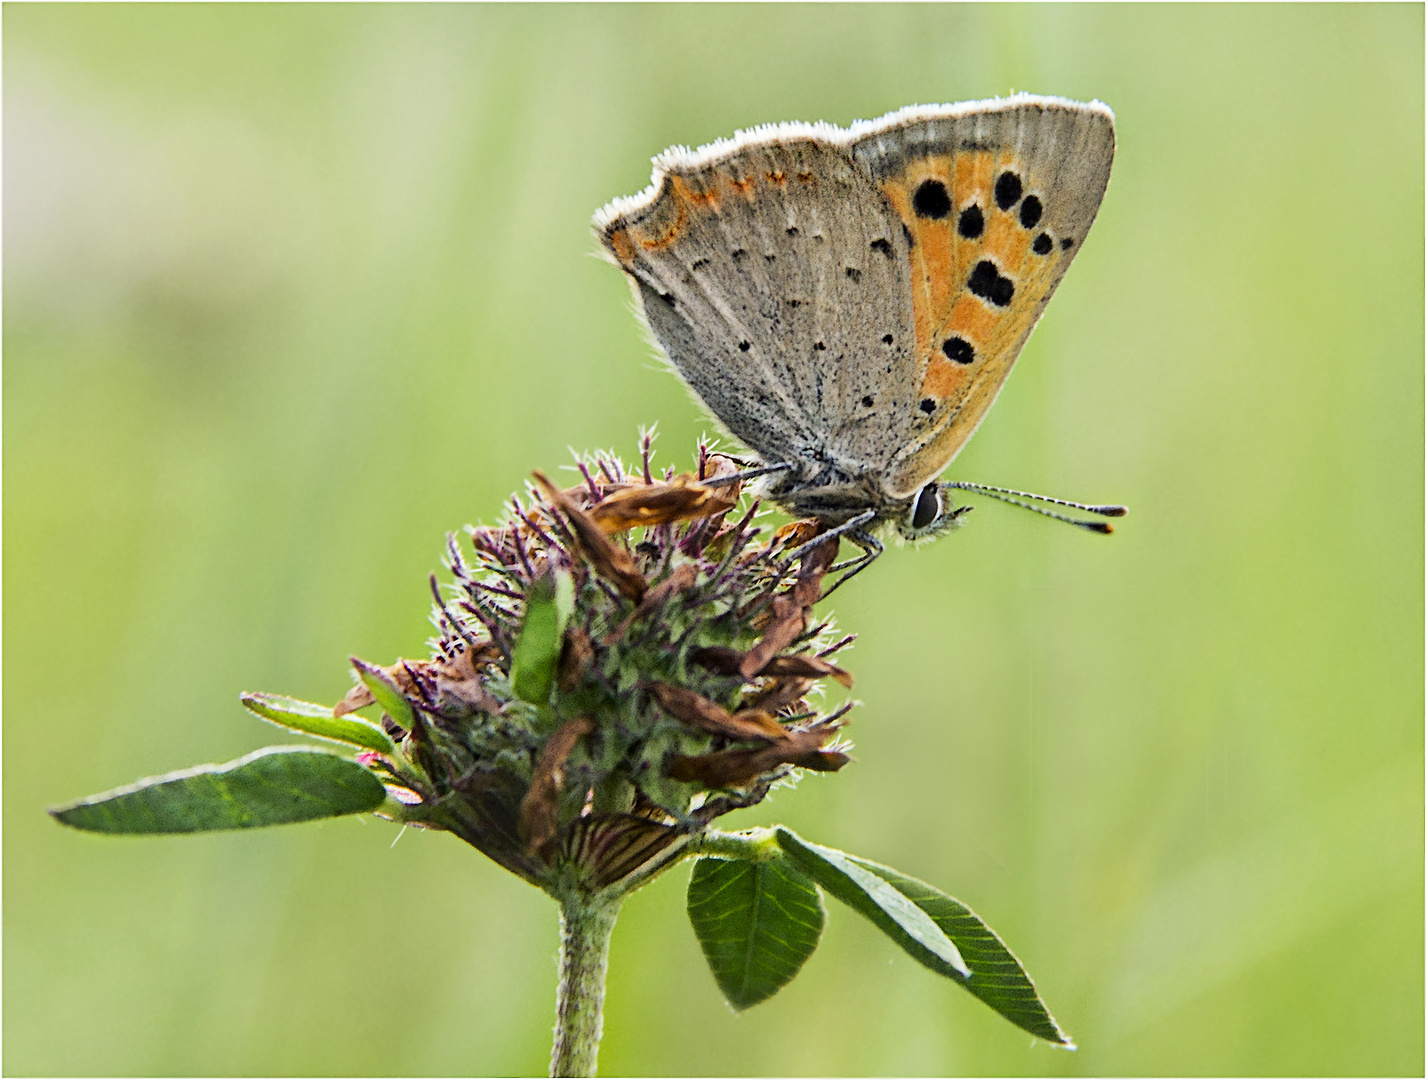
[{"x": 586, "y": 924}]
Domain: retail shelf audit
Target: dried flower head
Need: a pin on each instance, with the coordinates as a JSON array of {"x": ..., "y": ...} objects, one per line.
[{"x": 618, "y": 664}]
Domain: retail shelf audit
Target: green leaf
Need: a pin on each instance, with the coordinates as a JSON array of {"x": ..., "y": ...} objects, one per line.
[
  {"x": 864, "y": 891},
  {"x": 997, "y": 977},
  {"x": 314, "y": 719},
  {"x": 273, "y": 786},
  {"x": 757, "y": 922},
  {"x": 387, "y": 693},
  {"x": 536, "y": 654}
]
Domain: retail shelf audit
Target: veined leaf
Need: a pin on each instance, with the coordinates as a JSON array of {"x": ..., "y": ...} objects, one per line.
[
  {"x": 273, "y": 786},
  {"x": 313, "y": 719},
  {"x": 757, "y": 922},
  {"x": 536, "y": 653},
  {"x": 997, "y": 977},
  {"x": 864, "y": 891}
]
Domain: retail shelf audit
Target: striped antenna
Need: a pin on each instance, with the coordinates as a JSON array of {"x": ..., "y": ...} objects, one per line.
[{"x": 1017, "y": 498}]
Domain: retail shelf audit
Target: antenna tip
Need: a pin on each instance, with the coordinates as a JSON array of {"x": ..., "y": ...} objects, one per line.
[
  {"x": 1097, "y": 526},
  {"x": 1110, "y": 511}
]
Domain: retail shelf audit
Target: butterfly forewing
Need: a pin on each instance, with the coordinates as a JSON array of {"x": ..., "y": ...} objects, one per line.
[{"x": 997, "y": 198}]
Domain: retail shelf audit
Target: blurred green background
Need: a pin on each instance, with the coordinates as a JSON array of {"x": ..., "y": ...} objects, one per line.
[{"x": 291, "y": 291}]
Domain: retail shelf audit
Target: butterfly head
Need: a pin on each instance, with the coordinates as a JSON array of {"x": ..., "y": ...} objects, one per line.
[{"x": 930, "y": 514}]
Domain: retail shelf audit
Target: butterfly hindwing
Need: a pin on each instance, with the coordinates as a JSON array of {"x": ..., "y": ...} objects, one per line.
[{"x": 777, "y": 279}]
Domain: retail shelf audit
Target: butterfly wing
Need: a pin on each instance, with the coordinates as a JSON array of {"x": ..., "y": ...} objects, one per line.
[
  {"x": 776, "y": 277},
  {"x": 997, "y": 197}
]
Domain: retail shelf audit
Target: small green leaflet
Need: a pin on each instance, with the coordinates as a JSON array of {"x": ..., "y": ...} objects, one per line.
[
  {"x": 273, "y": 786},
  {"x": 548, "y": 605},
  {"x": 314, "y": 719},
  {"x": 997, "y": 977},
  {"x": 895, "y": 915},
  {"x": 757, "y": 922},
  {"x": 386, "y": 692}
]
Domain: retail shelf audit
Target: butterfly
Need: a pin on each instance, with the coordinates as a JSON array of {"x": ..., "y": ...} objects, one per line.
[{"x": 849, "y": 302}]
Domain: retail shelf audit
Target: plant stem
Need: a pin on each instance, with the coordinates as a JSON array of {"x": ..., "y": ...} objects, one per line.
[
  {"x": 752, "y": 845},
  {"x": 585, "y": 927}
]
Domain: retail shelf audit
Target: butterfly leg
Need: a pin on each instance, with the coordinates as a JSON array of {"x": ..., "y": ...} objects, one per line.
[
  {"x": 745, "y": 474},
  {"x": 854, "y": 529},
  {"x": 871, "y": 548},
  {"x": 851, "y": 526}
]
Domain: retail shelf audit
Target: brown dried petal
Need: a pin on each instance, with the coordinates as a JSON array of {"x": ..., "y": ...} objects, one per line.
[
  {"x": 465, "y": 663},
  {"x": 662, "y": 504},
  {"x": 778, "y": 694},
  {"x": 359, "y": 697},
  {"x": 699, "y": 712},
  {"x": 727, "y": 661},
  {"x": 575, "y": 657},
  {"x": 718, "y": 658},
  {"x": 808, "y": 588},
  {"x": 679, "y": 579},
  {"x": 797, "y": 533},
  {"x": 612, "y": 563},
  {"x": 717, "y": 466},
  {"x": 469, "y": 692},
  {"x": 734, "y": 768},
  {"x": 822, "y": 761},
  {"x": 540, "y": 809},
  {"x": 788, "y": 618},
  {"x": 457, "y": 678},
  {"x": 810, "y": 667},
  {"x": 763, "y": 719},
  {"x": 786, "y": 622}
]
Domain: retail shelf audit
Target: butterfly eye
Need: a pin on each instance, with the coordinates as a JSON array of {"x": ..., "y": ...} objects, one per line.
[{"x": 928, "y": 507}]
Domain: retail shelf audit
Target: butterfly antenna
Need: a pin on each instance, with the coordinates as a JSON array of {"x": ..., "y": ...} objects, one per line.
[{"x": 1017, "y": 498}]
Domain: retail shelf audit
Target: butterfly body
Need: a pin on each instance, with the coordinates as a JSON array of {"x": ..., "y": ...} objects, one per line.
[{"x": 849, "y": 302}]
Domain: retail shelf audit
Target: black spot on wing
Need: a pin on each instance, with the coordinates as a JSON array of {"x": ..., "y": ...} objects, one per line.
[
  {"x": 990, "y": 284},
  {"x": 1008, "y": 190},
  {"x": 931, "y": 200},
  {"x": 971, "y": 223},
  {"x": 958, "y": 350}
]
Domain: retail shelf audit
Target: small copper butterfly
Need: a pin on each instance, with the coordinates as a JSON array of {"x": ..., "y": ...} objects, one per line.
[{"x": 849, "y": 302}]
